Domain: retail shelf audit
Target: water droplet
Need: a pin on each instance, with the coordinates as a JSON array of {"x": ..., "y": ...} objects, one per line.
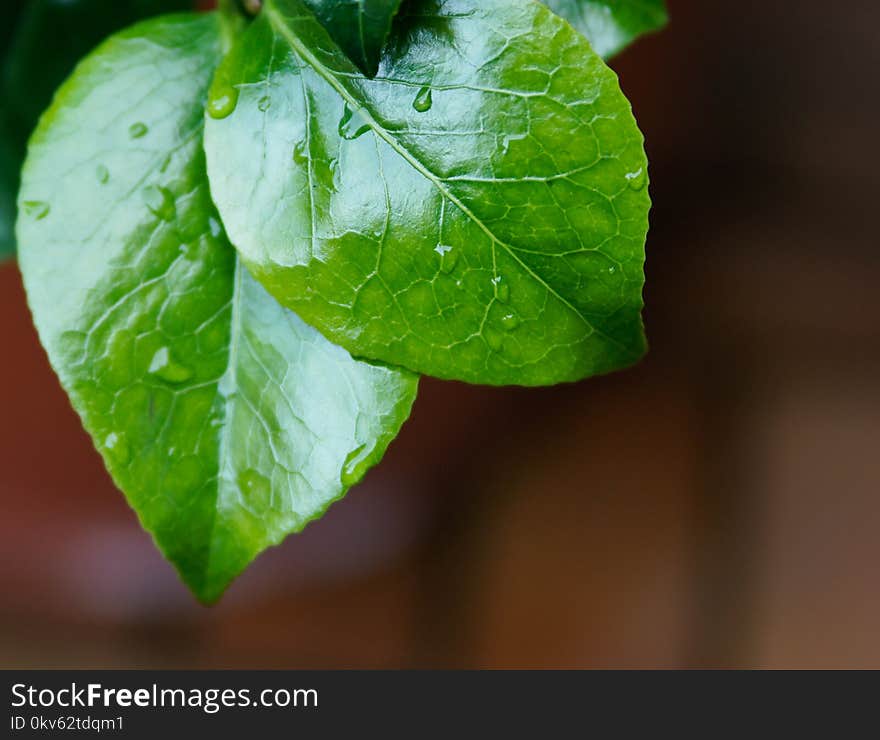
[
  {"x": 223, "y": 102},
  {"x": 301, "y": 153},
  {"x": 117, "y": 448},
  {"x": 448, "y": 258},
  {"x": 510, "y": 321},
  {"x": 502, "y": 289},
  {"x": 356, "y": 465},
  {"x": 164, "y": 367},
  {"x": 424, "y": 100},
  {"x": 215, "y": 226},
  {"x": 160, "y": 201},
  {"x": 493, "y": 338},
  {"x": 102, "y": 174},
  {"x": 612, "y": 270},
  {"x": 264, "y": 103},
  {"x": 36, "y": 209},
  {"x": 638, "y": 179},
  {"x": 138, "y": 130},
  {"x": 256, "y": 488},
  {"x": 352, "y": 124}
]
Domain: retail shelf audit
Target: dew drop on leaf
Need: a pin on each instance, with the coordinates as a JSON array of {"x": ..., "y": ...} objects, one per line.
[
  {"x": 102, "y": 174},
  {"x": 160, "y": 201},
  {"x": 638, "y": 179},
  {"x": 510, "y": 321},
  {"x": 117, "y": 448},
  {"x": 494, "y": 339},
  {"x": 264, "y": 103},
  {"x": 164, "y": 367},
  {"x": 502, "y": 289},
  {"x": 138, "y": 130},
  {"x": 424, "y": 100},
  {"x": 255, "y": 487},
  {"x": 352, "y": 124},
  {"x": 36, "y": 209},
  {"x": 355, "y": 465},
  {"x": 448, "y": 258},
  {"x": 300, "y": 153},
  {"x": 222, "y": 102}
]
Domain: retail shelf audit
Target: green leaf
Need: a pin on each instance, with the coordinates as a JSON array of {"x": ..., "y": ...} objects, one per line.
[
  {"x": 40, "y": 44},
  {"x": 10, "y": 163},
  {"x": 11, "y": 144},
  {"x": 227, "y": 421},
  {"x": 360, "y": 27},
  {"x": 10, "y": 12},
  {"x": 477, "y": 211},
  {"x": 612, "y": 25}
]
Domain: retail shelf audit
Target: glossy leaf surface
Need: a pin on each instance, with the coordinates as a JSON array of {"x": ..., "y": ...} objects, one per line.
[
  {"x": 360, "y": 27},
  {"x": 227, "y": 421},
  {"x": 476, "y": 211},
  {"x": 611, "y": 25},
  {"x": 41, "y": 43}
]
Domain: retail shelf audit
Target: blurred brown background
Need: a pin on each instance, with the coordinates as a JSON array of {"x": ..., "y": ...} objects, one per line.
[{"x": 717, "y": 506}]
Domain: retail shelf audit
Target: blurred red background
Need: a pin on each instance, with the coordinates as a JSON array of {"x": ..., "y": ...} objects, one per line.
[{"x": 719, "y": 505}]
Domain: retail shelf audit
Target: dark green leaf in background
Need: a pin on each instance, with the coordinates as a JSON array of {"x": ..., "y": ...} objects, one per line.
[
  {"x": 41, "y": 42},
  {"x": 54, "y": 35},
  {"x": 10, "y": 163},
  {"x": 11, "y": 141},
  {"x": 477, "y": 211},
  {"x": 360, "y": 27},
  {"x": 10, "y": 12},
  {"x": 227, "y": 421},
  {"x": 611, "y": 25}
]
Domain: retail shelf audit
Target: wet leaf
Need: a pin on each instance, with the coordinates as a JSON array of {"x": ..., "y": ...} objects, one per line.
[
  {"x": 476, "y": 211},
  {"x": 41, "y": 42},
  {"x": 227, "y": 421}
]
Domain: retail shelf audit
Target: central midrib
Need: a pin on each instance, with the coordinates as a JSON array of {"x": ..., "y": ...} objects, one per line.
[
  {"x": 277, "y": 20},
  {"x": 231, "y": 372}
]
